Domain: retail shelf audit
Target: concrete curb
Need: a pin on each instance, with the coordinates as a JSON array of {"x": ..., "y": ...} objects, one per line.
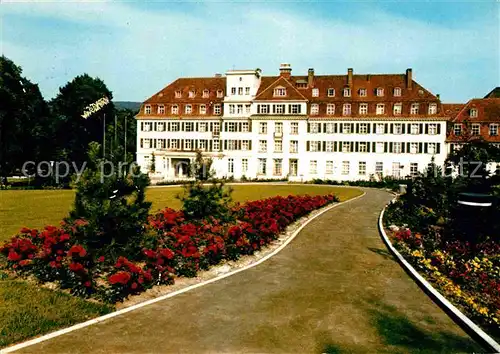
[
  {"x": 463, "y": 321},
  {"x": 172, "y": 294}
]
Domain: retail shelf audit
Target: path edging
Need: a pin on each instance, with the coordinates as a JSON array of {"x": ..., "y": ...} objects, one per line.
[
  {"x": 439, "y": 299},
  {"x": 174, "y": 293}
]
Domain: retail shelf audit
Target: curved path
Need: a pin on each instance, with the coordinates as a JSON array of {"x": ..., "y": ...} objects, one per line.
[{"x": 334, "y": 288}]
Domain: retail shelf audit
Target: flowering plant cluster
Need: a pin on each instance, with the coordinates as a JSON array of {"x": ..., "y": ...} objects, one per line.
[
  {"x": 467, "y": 273},
  {"x": 174, "y": 246}
]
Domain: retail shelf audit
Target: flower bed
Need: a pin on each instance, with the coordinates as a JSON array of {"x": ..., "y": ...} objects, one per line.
[
  {"x": 467, "y": 274},
  {"x": 173, "y": 247}
]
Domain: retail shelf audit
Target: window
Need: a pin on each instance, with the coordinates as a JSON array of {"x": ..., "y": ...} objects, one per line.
[
  {"x": 362, "y": 92},
  {"x": 329, "y": 146},
  {"x": 240, "y": 91},
  {"x": 173, "y": 144},
  {"x": 329, "y": 128},
  {"x": 174, "y": 127},
  {"x": 493, "y": 129},
  {"x": 161, "y": 126},
  {"x": 188, "y": 109},
  {"x": 244, "y": 165},
  {"x": 398, "y": 128},
  {"x": 315, "y": 108},
  {"x": 473, "y": 113},
  {"x": 245, "y": 145},
  {"x": 363, "y": 128},
  {"x": 278, "y": 146},
  {"x": 414, "y": 128},
  {"x": 475, "y": 129},
  {"x": 216, "y": 128},
  {"x": 263, "y": 128},
  {"x": 231, "y": 109},
  {"x": 294, "y": 146},
  {"x": 345, "y": 167},
  {"x": 315, "y": 146},
  {"x": 331, "y": 92},
  {"x": 363, "y": 146},
  {"x": 189, "y": 126},
  {"x": 147, "y": 143},
  {"x": 161, "y": 109},
  {"x": 280, "y": 92},
  {"x": 294, "y": 128},
  {"x": 231, "y": 127},
  {"x": 314, "y": 128},
  {"x": 432, "y": 129},
  {"x": 217, "y": 109},
  {"x": 188, "y": 144},
  {"x": 202, "y": 145},
  {"x": 220, "y": 93},
  {"x": 346, "y": 146},
  {"x": 239, "y": 109},
  {"x": 398, "y": 109},
  {"x": 262, "y": 166},
  {"x": 396, "y": 169},
  {"x": 191, "y": 94},
  {"x": 279, "y": 108},
  {"x": 178, "y": 94},
  {"x": 363, "y": 108},
  {"x": 294, "y": 167},
  {"x": 263, "y": 108},
  {"x": 277, "y": 167},
  {"x": 203, "y": 109},
  {"x": 148, "y": 126},
  {"x": 346, "y": 128},
  {"x": 379, "y": 147},
  {"x": 433, "y": 108},
  {"x": 330, "y": 109},
  {"x": 262, "y": 145},
  {"x": 245, "y": 127},
  {"x": 313, "y": 167},
  {"x": 247, "y": 91},
  {"x": 413, "y": 169},
  {"x": 380, "y": 128},
  {"x": 431, "y": 148},
  {"x": 362, "y": 168},
  {"x": 202, "y": 127},
  {"x": 346, "y": 109},
  {"x": 315, "y": 92},
  {"x": 278, "y": 127},
  {"x": 380, "y": 92},
  {"x": 233, "y": 91},
  {"x": 147, "y": 109},
  {"x": 206, "y": 93},
  {"x": 329, "y": 167},
  {"x": 380, "y": 108},
  {"x": 230, "y": 165},
  {"x": 413, "y": 148},
  {"x": 397, "y": 92},
  {"x": 216, "y": 144},
  {"x": 457, "y": 129},
  {"x": 347, "y": 92},
  {"x": 396, "y": 148},
  {"x": 247, "y": 108},
  {"x": 175, "y": 109},
  {"x": 295, "y": 108},
  {"x": 379, "y": 167},
  {"x": 414, "y": 108}
]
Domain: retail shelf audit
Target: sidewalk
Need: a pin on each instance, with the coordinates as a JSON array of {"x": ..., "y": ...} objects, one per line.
[{"x": 335, "y": 288}]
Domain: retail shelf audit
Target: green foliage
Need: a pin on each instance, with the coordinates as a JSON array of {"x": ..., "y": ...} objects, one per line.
[
  {"x": 113, "y": 204},
  {"x": 201, "y": 169},
  {"x": 152, "y": 168}
]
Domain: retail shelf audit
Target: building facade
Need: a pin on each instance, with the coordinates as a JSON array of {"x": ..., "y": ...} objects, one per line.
[{"x": 342, "y": 127}]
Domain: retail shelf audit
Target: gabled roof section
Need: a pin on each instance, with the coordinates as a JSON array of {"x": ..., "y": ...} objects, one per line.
[
  {"x": 495, "y": 93},
  {"x": 488, "y": 111},
  {"x": 184, "y": 85},
  {"x": 267, "y": 86}
]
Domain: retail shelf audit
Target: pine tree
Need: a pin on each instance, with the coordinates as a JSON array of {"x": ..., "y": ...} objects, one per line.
[{"x": 152, "y": 168}]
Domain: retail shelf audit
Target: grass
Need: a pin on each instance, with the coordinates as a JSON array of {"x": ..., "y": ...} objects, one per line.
[
  {"x": 37, "y": 208},
  {"x": 27, "y": 310}
]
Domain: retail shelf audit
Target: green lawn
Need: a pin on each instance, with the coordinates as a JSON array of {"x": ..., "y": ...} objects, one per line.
[
  {"x": 27, "y": 310},
  {"x": 37, "y": 208}
]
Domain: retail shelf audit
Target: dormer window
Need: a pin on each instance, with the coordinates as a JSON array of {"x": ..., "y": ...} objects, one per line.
[
  {"x": 220, "y": 93},
  {"x": 433, "y": 108},
  {"x": 191, "y": 94},
  {"x": 178, "y": 94},
  {"x": 161, "y": 109},
  {"x": 347, "y": 92},
  {"x": 175, "y": 109},
  {"x": 362, "y": 92},
  {"x": 315, "y": 92},
  {"x": 473, "y": 113},
  {"x": 380, "y": 108},
  {"x": 314, "y": 109},
  {"x": 147, "y": 109},
  {"x": 203, "y": 109},
  {"x": 346, "y": 109},
  {"x": 279, "y": 92},
  {"x": 397, "y": 92},
  {"x": 380, "y": 92},
  {"x": 188, "y": 109},
  {"x": 331, "y": 92},
  {"x": 414, "y": 108},
  {"x": 206, "y": 93}
]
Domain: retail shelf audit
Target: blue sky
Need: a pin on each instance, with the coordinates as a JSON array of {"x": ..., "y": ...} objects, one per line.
[{"x": 139, "y": 47}]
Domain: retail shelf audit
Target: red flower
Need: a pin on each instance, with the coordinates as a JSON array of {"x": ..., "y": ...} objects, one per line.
[
  {"x": 77, "y": 250},
  {"x": 134, "y": 285},
  {"x": 87, "y": 284},
  {"x": 76, "y": 267},
  {"x": 167, "y": 253},
  {"x": 119, "y": 278},
  {"x": 13, "y": 256},
  {"x": 100, "y": 259},
  {"x": 25, "y": 230}
]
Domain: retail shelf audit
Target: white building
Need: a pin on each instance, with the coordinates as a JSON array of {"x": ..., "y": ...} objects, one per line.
[{"x": 342, "y": 127}]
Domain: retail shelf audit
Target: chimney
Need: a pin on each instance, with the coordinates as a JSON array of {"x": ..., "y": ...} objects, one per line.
[
  {"x": 349, "y": 76},
  {"x": 368, "y": 77},
  {"x": 285, "y": 70},
  {"x": 438, "y": 96},
  {"x": 310, "y": 77},
  {"x": 218, "y": 75},
  {"x": 409, "y": 79}
]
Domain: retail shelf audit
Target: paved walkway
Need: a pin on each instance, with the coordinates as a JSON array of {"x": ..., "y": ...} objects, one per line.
[{"x": 333, "y": 289}]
